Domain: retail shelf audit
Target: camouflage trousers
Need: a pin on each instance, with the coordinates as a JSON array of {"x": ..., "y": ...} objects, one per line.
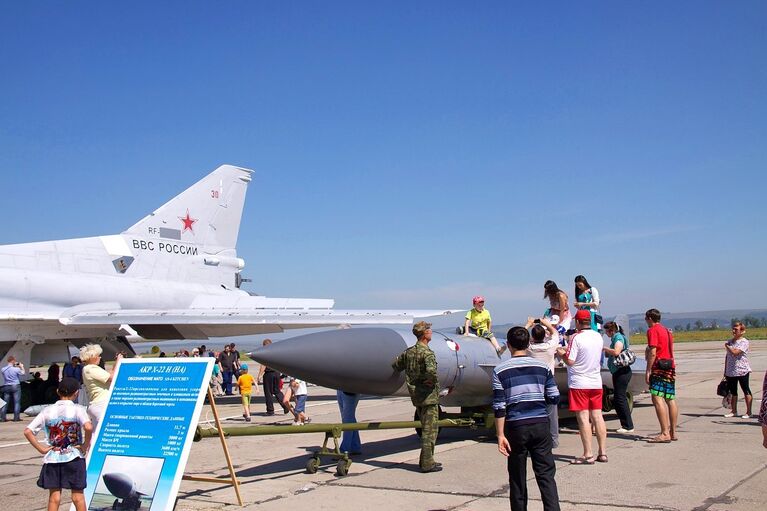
[{"x": 429, "y": 415}]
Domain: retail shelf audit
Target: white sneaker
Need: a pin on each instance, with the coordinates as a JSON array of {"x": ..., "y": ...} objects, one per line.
[
  {"x": 747, "y": 416},
  {"x": 728, "y": 415},
  {"x": 295, "y": 423},
  {"x": 624, "y": 430}
]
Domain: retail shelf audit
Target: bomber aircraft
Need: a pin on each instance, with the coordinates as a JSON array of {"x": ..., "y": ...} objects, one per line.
[{"x": 174, "y": 274}]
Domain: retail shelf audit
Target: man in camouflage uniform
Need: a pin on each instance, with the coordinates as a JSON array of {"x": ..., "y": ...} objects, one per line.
[{"x": 420, "y": 366}]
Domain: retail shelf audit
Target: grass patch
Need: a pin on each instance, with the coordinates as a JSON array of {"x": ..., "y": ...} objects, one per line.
[{"x": 719, "y": 334}]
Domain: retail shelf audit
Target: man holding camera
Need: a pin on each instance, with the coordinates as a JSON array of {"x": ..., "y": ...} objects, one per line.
[
  {"x": 583, "y": 357},
  {"x": 12, "y": 388}
]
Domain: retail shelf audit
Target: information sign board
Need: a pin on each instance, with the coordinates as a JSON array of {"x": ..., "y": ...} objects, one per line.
[{"x": 143, "y": 441}]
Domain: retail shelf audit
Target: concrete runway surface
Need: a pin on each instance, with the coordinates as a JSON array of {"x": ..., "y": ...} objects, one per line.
[{"x": 718, "y": 464}]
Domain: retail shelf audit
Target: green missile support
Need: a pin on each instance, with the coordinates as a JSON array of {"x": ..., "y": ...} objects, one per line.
[{"x": 335, "y": 431}]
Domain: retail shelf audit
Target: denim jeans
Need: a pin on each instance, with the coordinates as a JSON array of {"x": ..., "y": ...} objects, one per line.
[
  {"x": 12, "y": 392},
  {"x": 347, "y": 404}
]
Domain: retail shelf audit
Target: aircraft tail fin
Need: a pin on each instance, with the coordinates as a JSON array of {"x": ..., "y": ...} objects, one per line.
[
  {"x": 622, "y": 320},
  {"x": 206, "y": 214}
]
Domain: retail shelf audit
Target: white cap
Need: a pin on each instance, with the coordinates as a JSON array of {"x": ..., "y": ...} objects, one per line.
[{"x": 554, "y": 319}]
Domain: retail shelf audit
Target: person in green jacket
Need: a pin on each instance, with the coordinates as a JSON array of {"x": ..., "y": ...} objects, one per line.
[{"x": 420, "y": 366}]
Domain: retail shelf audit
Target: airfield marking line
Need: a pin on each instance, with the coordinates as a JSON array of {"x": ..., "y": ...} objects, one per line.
[
  {"x": 14, "y": 445},
  {"x": 716, "y": 500}
]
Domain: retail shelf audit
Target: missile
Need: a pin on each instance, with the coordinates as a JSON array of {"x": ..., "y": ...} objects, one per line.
[
  {"x": 120, "y": 485},
  {"x": 358, "y": 360}
]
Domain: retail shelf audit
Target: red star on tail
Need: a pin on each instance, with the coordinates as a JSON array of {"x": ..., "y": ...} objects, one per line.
[{"x": 188, "y": 221}]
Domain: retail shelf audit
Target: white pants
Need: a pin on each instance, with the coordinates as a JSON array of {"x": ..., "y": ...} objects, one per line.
[{"x": 96, "y": 412}]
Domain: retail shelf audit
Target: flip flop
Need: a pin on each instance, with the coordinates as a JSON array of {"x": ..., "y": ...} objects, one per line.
[
  {"x": 582, "y": 461},
  {"x": 602, "y": 458},
  {"x": 674, "y": 438},
  {"x": 658, "y": 440}
]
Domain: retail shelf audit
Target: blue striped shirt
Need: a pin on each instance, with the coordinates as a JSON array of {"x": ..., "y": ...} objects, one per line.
[{"x": 522, "y": 387}]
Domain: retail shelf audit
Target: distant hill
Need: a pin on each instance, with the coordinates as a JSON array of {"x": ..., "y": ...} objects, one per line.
[
  {"x": 696, "y": 320},
  {"x": 680, "y": 320}
]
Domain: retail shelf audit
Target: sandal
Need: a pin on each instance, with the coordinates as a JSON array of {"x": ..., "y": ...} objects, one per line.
[
  {"x": 582, "y": 461},
  {"x": 602, "y": 458},
  {"x": 658, "y": 440}
]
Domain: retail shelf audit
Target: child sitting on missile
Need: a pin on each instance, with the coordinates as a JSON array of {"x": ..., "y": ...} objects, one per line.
[
  {"x": 65, "y": 445},
  {"x": 479, "y": 323},
  {"x": 246, "y": 384}
]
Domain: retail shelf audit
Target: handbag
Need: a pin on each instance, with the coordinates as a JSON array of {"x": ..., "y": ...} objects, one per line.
[
  {"x": 722, "y": 389},
  {"x": 625, "y": 358},
  {"x": 666, "y": 364},
  {"x": 598, "y": 319}
]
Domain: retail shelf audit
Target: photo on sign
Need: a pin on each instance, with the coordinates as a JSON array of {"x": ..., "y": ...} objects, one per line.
[{"x": 126, "y": 483}]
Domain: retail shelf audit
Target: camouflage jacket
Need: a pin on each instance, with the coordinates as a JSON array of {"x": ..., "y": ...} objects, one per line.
[{"x": 420, "y": 366}]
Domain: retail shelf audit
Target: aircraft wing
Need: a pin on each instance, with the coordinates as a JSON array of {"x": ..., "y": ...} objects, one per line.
[{"x": 198, "y": 323}]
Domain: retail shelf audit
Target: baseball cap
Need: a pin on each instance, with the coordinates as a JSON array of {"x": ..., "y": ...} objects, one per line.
[
  {"x": 554, "y": 319},
  {"x": 420, "y": 328},
  {"x": 68, "y": 386},
  {"x": 477, "y": 299},
  {"x": 244, "y": 367},
  {"x": 583, "y": 315}
]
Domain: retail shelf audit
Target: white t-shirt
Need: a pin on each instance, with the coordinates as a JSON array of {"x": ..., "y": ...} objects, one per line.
[
  {"x": 63, "y": 422},
  {"x": 545, "y": 351},
  {"x": 585, "y": 349},
  {"x": 301, "y": 389}
]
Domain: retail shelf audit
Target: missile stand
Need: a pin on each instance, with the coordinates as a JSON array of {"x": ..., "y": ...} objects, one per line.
[{"x": 334, "y": 432}]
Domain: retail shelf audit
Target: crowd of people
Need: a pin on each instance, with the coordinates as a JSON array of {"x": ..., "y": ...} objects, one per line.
[{"x": 525, "y": 395}]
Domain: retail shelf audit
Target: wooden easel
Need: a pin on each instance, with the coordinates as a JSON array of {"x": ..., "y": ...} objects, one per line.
[{"x": 233, "y": 477}]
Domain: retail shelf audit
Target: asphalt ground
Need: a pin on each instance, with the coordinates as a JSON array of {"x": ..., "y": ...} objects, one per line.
[{"x": 718, "y": 464}]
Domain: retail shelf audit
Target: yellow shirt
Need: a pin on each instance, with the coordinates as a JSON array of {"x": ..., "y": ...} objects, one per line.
[
  {"x": 246, "y": 382},
  {"x": 96, "y": 381},
  {"x": 479, "y": 320}
]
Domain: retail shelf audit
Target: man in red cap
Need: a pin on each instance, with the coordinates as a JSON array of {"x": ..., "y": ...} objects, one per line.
[
  {"x": 479, "y": 323},
  {"x": 583, "y": 357}
]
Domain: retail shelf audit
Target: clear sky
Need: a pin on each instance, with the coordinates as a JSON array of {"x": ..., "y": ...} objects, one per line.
[{"x": 409, "y": 154}]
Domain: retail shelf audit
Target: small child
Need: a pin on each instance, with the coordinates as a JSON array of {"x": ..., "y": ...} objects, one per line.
[
  {"x": 246, "y": 383},
  {"x": 301, "y": 393},
  {"x": 65, "y": 446}
]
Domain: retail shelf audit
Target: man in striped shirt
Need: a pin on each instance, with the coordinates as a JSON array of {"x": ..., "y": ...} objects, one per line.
[{"x": 522, "y": 387}]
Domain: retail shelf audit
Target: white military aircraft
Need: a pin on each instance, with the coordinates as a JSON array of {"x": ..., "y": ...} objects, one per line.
[{"x": 173, "y": 275}]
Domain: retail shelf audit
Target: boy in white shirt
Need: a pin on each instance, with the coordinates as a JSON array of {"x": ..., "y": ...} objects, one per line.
[{"x": 65, "y": 445}]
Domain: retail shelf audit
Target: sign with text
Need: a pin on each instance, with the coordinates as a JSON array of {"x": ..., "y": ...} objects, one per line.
[{"x": 143, "y": 441}]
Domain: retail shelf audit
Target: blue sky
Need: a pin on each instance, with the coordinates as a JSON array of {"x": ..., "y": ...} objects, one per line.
[{"x": 409, "y": 154}]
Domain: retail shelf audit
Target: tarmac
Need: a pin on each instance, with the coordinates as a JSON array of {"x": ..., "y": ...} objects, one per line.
[{"x": 718, "y": 464}]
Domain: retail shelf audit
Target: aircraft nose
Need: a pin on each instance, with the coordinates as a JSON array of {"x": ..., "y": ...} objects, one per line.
[{"x": 355, "y": 360}]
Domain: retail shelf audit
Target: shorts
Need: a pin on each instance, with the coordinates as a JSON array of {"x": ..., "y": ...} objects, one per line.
[
  {"x": 663, "y": 383},
  {"x": 481, "y": 332},
  {"x": 70, "y": 475},
  {"x": 300, "y": 403},
  {"x": 585, "y": 399},
  {"x": 245, "y": 399}
]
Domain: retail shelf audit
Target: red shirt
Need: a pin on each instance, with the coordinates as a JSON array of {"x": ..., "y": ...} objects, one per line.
[{"x": 660, "y": 338}]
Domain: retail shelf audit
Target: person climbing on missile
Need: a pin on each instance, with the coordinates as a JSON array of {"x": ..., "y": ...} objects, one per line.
[{"x": 479, "y": 323}]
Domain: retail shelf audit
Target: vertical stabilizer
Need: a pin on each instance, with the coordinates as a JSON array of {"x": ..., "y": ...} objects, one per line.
[{"x": 206, "y": 214}]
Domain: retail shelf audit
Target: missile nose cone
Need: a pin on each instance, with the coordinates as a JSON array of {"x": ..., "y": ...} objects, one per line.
[{"x": 354, "y": 360}]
